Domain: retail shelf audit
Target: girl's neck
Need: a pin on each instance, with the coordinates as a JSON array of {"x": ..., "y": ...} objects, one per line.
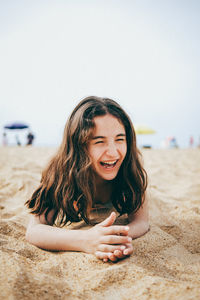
[
  {"x": 103, "y": 190},
  {"x": 101, "y": 183}
]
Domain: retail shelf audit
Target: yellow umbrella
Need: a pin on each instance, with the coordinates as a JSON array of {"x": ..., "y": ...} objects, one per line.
[{"x": 143, "y": 129}]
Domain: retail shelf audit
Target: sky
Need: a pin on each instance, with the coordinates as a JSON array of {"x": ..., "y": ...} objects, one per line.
[{"x": 145, "y": 54}]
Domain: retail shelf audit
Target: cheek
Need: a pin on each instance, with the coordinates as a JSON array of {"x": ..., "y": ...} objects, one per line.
[
  {"x": 123, "y": 150},
  {"x": 93, "y": 155}
]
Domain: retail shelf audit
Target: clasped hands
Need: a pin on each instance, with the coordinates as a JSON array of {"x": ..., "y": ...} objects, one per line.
[{"x": 109, "y": 242}]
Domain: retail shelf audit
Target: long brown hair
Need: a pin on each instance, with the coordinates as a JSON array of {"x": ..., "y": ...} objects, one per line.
[{"x": 69, "y": 178}]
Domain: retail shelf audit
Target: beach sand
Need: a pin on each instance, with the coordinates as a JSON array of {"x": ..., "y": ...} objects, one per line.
[{"x": 165, "y": 263}]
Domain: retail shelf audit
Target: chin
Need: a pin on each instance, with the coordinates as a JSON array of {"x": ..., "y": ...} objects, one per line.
[{"x": 108, "y": 177}]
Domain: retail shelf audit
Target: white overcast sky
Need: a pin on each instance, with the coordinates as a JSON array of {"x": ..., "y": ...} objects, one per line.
[{"x": 143, "y": 53}]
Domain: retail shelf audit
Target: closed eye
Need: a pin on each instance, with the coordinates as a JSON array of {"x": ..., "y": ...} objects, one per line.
[
  {"x": 98, "y": 142},
  {"x": 121, "y": 139}
]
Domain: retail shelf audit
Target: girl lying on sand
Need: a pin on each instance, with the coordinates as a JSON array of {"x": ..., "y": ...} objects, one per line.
[{"x": 97, "y": 163}]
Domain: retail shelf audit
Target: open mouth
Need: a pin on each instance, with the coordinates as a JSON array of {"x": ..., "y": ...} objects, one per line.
[{"x": 109, "y": 165}]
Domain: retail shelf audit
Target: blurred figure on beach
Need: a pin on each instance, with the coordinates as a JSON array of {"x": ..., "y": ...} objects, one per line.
[
  {"x": 17, "y": 140},
  {"x": 169, "y": 142},
  {"x": 191, "y": 141},
  {"x": 30, "y": 138},
  {"x": 173, "y": 143},
  {"x": 5, "y": 139}
]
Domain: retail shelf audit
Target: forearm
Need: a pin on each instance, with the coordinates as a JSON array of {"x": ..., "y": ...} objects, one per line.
[
  {"x": 138, "y": 228},
  {"x": 53, "y": 238}
]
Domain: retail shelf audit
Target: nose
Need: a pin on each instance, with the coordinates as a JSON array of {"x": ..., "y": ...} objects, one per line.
[{"x": 111, "y": 150}]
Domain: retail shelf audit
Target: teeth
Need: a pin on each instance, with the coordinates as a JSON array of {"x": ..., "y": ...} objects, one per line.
[{"x": 109, "y": 164}]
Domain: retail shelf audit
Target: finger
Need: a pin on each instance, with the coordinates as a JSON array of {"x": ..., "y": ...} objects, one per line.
[
  {"x": 126, "y": 233},
  {"x": 111, "y": 248},
  {"x": 112, "y": 257},
  {"x": 118, "y": 254},
  {"x": 128, "y": 250},
  {"x": 116, "y": 229},
  {"x": 115, "y": 239},
  {"x": 108, "y": 221},
  {"x": 103, "y": 255}
]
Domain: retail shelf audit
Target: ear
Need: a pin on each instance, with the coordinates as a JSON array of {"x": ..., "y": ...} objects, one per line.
[{"x": 109, "y": 221}]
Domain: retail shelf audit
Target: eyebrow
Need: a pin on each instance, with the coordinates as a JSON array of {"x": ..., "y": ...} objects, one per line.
[{"x": 103, "y": 137}]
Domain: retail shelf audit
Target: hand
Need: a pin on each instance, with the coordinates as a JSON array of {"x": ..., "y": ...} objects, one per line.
[
  {"x": 108, "y": 241},
  {"x": 125, "y": 250}
]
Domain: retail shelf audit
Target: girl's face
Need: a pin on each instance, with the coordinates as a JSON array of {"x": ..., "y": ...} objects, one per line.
[{"x": 107, "y": 147}]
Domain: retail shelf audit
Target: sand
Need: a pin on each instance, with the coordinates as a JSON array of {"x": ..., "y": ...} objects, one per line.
[{"x": 165, "y": 263}]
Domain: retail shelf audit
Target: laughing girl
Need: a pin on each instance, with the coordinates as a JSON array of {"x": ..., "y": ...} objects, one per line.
[{"x": 98, "y": 163}]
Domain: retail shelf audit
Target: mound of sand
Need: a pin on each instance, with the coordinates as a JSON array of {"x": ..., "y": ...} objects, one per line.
[{"x": 165, "y": 263}]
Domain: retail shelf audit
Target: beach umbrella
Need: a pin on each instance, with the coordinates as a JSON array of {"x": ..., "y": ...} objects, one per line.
[
  {"x": 16, "y": 125},
  {"x": 143, "y": 129}
]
